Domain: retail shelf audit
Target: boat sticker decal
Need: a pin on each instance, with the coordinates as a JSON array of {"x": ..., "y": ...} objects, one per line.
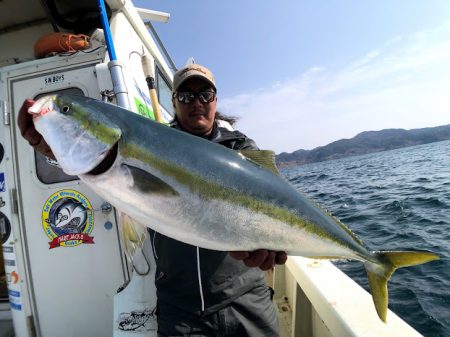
[
  {"x": 15, "y": 300},
  {"x": 13, "y": 293},
  {"x": 12, "y": 277},
  {"x": 53, "y": 79},
  {"x": 5, "y": 230},
  {"x": 10, "y": 263},
  {"x": 143, "y": 109},
  {"x": 2, "y": 182},
  {"x": 68, "y": 219},
  {"x": 8, "y": 249},
  {"x": 137, "y": 321},
  {"x": 144, "y": 96},
  {"x": 15, "y": 306}
]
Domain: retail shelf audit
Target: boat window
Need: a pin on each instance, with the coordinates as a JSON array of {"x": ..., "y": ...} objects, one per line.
[
  {"x": 46, "y": 170},
  {"x": 164, "y": 90}
]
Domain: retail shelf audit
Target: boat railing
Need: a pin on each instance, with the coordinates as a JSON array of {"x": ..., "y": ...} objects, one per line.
[{"x": 315, "y": 298}]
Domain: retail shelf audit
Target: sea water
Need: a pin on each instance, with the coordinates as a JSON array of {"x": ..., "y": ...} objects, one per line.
[{"x": 394, "y": 200}]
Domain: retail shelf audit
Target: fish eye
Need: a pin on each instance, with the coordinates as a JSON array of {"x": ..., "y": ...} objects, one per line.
[{"x": 65, "y": 109}]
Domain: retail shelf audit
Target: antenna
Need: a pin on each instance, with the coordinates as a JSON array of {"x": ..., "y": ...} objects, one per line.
[
  {"x": 190, "y": 61},
  {"x": 147, "y": 14},
  {"x": 161, "y": 45}
]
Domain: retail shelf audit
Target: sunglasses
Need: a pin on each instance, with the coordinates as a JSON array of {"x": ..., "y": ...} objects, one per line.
[{"x": 187, "y": 97}]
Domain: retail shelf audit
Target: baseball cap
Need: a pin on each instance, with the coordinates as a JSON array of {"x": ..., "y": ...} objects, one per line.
[{"x": 190, "y": 71}]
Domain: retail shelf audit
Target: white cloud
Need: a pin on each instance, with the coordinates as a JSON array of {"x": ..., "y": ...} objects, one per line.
[{"x": 402, "y": 84}]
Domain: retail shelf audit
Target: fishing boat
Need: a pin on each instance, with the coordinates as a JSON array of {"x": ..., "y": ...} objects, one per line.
[{"x": 63, "y": 271}]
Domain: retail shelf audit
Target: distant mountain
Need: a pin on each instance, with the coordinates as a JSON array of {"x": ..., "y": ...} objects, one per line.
[{"x": 365, "y": 142}]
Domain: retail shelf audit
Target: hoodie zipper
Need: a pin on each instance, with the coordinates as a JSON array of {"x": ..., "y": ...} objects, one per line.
[
  {"x": 200, "y": 280},
  {"x": 161, "y": 274},
  {"x": 153, "y": 245}
]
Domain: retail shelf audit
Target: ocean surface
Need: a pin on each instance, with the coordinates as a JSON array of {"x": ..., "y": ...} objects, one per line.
[{"x": 394, "y": 200}]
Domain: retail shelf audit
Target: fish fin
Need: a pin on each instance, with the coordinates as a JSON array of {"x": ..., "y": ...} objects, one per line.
[
  {"x": 380, "y": 275},
  {"x": 133, "y": 234},
  {"x": 147, "y": 182},
  {"x": 264, "y": 158}
]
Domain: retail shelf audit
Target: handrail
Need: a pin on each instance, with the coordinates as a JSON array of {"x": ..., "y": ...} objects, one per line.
[{"x": 328, "y": 297}]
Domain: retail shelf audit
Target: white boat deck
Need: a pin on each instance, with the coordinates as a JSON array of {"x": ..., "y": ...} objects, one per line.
[{"x": 6, "y": 328}]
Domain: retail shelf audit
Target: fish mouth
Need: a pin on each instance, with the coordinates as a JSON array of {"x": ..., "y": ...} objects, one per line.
[{"x": 106, "y": 162}]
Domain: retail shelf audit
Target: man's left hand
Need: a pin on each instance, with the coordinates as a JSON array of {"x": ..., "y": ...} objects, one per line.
[{"x": 262, "y": 258}]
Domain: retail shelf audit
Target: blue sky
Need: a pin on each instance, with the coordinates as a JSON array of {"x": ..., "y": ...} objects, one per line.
[{"x": 301, "y": 74}]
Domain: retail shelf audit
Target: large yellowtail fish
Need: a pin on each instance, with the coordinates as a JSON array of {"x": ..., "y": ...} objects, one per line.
[{"x": 199, "y": 192}]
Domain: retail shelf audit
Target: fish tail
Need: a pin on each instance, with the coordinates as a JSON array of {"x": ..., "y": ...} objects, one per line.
[{"x": 380, "y": 273}]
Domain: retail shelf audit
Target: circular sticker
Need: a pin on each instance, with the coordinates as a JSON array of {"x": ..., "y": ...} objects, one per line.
[
  {"x": 2, "y": 152},
  {"x": 68, "y": 219},
  {"x": 5, "y": 228}
]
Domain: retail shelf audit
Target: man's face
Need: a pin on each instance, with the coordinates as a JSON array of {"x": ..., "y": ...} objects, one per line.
[{"x": 196, "y": 117}]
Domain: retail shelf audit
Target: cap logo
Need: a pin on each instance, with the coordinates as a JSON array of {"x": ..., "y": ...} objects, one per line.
[
  {"x": 189, "y": 71},
  {"x": 196, "y": 68}
]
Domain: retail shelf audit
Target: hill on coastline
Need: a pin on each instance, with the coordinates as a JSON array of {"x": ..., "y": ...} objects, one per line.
[{"x": 365, "y": 142}]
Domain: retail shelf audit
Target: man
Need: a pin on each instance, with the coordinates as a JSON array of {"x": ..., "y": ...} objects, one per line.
[
  {"x": 218, "y": 295},
  {"x": 202, "y": 292}
]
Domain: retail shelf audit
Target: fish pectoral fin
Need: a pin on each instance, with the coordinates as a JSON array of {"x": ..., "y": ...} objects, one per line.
[
  {"x": 134, "y": 234},
  {"x": 264, "y": 158},
  {"x": 147, "y": 182},
  {"x": 390, "y": 261}
]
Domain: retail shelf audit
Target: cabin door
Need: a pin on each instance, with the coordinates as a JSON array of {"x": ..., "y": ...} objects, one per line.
[{"x": 70, "y": 235}]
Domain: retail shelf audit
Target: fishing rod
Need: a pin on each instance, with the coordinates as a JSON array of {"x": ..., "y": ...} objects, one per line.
[
  {"x": 151, "y": 85},
  {"x": 114, "y": 66}
]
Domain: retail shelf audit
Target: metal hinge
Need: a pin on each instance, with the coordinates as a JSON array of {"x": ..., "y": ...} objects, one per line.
[
  {"x": 5, "y": 112},
  {"x": 14, "y": 201},
  {"x": 30, "y": 326}
]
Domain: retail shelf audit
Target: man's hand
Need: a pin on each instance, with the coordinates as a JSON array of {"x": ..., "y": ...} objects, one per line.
[
  {"x": 262, "y": 258},
  {"x": 26, "y": 126}
]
